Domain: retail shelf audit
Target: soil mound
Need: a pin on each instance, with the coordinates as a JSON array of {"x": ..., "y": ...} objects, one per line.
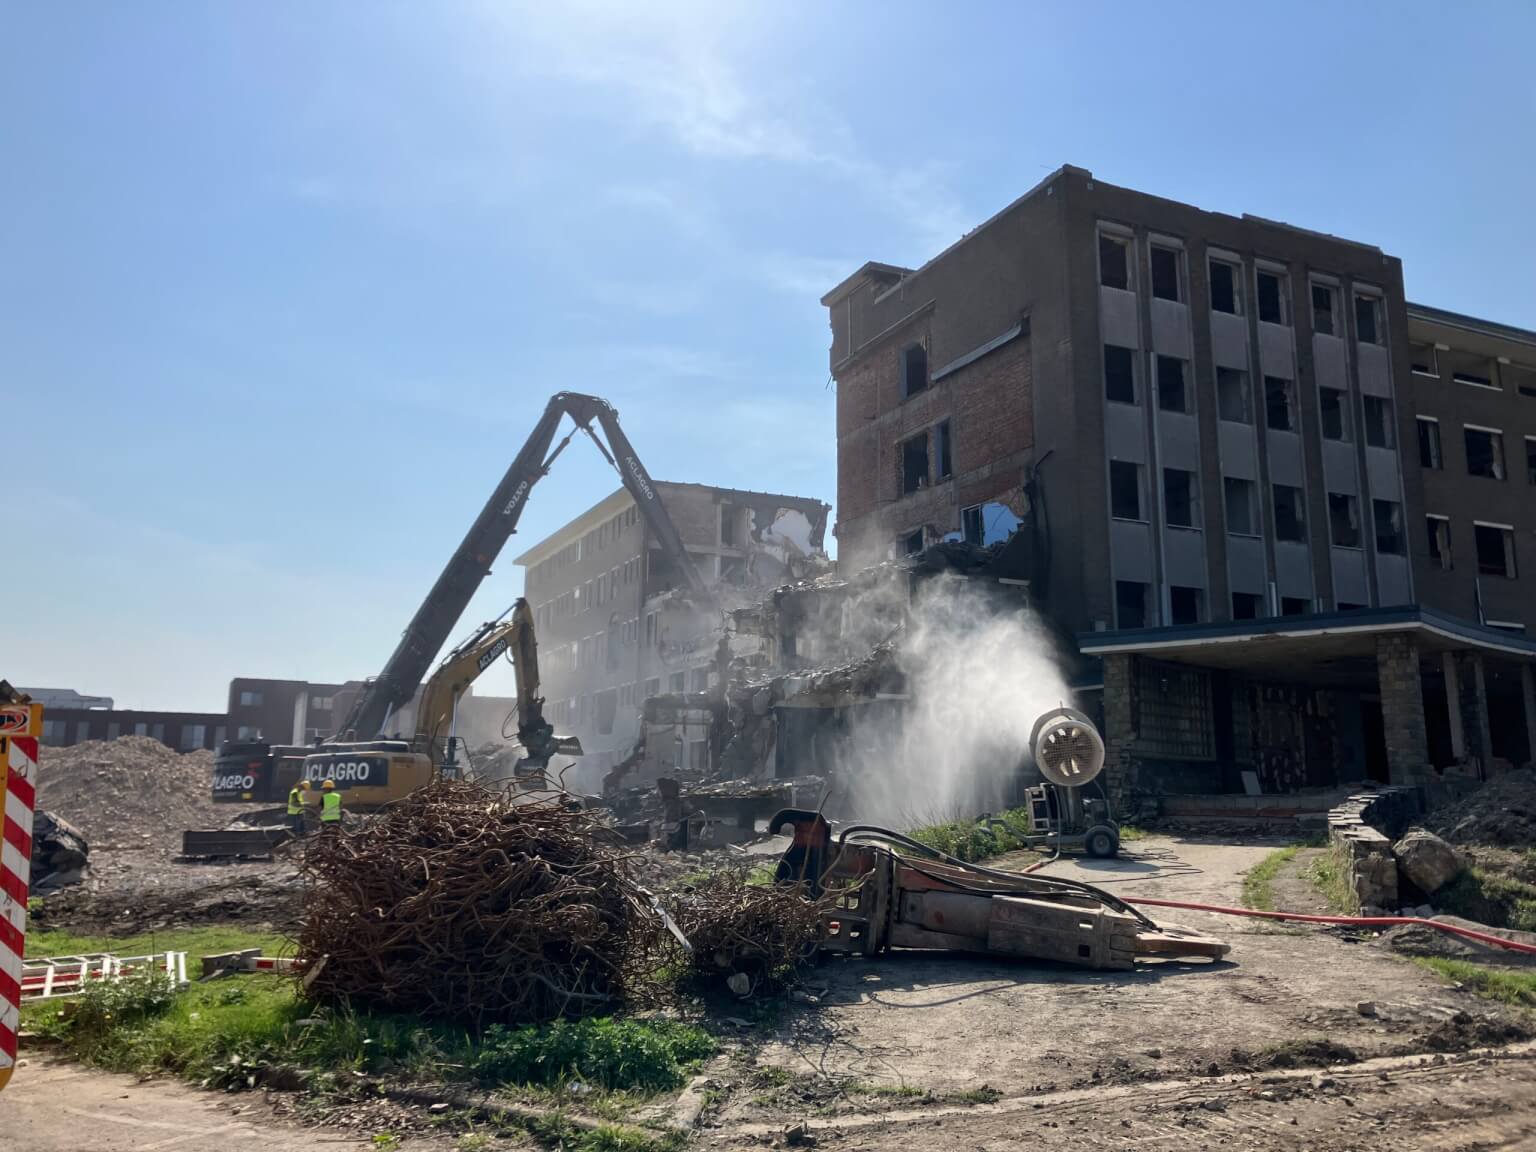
[
  {"x": 133, "y": 792},
  {"x": 1502, "y": 812}
]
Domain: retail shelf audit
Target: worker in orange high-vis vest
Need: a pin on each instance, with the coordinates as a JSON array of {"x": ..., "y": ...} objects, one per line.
[{"x": 330, "y": 807}]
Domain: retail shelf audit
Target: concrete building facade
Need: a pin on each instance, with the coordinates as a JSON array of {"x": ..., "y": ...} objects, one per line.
[
  {"x": 611, "y": 626},
  {"x": 1215, "y": 431}
]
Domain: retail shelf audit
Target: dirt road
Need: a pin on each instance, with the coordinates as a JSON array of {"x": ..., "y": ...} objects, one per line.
[
  {"x": 53, "y": 1106},
  {"x": 1158, "y": 1057}
]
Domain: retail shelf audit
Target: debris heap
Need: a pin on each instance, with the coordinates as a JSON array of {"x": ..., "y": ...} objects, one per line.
[
  {"x": 1502, "y": 813},
  {"x": 460, "y": 903},
  {"x": 760, "y": 930}
]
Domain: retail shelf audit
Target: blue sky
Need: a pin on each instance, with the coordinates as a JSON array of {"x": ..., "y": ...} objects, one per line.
[{"x": 283, "y": 286}]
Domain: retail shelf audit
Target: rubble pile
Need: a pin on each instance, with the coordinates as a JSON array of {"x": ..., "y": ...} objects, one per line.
[
  {"x": 130, "y": 793},
  {"x": 739, "y": 929},
  {"x": 460, "y": 903},
  {"x": 1501, "y": 813}
]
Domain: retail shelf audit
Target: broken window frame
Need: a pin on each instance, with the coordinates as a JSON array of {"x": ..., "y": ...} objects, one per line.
[
  {"x": 1173, "y": 384},
  {"x": 1181, "y": 497},
  {"x": 1387, "y": 519},
  {"x": 1233, "y": 384},
  {"x": 1495, "y": 454},
  {"x": 1239, "y": 491},
  {"x": 1255, "y": 600},
  {"x": 1380, "y": 423},
  {"x": 1430, "y": 454},
  {"x": 1438, "y": 531},
  {"x": 1281, "y": 313},
  {"x": 1232, "y": 293},
  {"x": 909, "y": 479},
  {"x": 944, "y": 450},
  {"x": 1286, "y": 388},
  {"x": 1160, "y": 282},
  {"x": 1424, "y": 359},
  {"x": 1344, "y": 520},
  {"x": 972, "y": 529},
  {"x": 1295, "y": 513},
  {"x": 1119, "y": 266},
  {"x": 1125, "y": 590},
  {"x": 1338, "y": 398},
  {"x": 1506, "y": 567},
  {"x": 911, "y": 543},
  {"x": 1370, "y": 319},
  {"x": 1196, "y": 600},
  {"x": 1112, "y": 382},
  {"x": 913, "y": 364},
  {"x": 1117, "y": 490},
  {"x": 1325, "y": 316}
]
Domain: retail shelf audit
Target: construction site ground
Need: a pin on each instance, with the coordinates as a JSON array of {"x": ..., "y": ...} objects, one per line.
[
  {"x": 1269, "y": 1049},
  {"x": 1301, "y": 1039}
]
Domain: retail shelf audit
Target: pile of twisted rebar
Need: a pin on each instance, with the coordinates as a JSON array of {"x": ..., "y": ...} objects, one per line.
[
  {"x": 459, "y": 903},
  {"x": 735, "y": 926}
]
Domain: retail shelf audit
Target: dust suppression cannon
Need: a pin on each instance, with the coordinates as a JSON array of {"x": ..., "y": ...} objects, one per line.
[{"x": 1063, "y": 814}]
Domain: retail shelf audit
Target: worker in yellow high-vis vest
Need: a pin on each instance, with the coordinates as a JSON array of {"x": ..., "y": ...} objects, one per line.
[
  {"x": 330, "y": 807},
  {"x": 297, "y": 798}
]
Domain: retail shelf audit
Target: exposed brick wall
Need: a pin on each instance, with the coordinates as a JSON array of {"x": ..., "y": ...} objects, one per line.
[
  {"x": 989, "y": 405},
  {"x": 1402, "y": 707}
]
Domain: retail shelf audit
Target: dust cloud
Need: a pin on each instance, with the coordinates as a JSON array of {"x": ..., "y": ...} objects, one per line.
[{"x": 979, "y": 674}]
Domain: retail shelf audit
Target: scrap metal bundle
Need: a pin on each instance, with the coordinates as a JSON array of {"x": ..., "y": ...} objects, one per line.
[
  {"x": 460, "y": 903},
  {"x": 737, "y": 927}
]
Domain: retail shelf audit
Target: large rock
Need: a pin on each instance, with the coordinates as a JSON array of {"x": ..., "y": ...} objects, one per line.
[
  {"x": 1427, "y": 860},
  {"x": 59, "y": 852}
]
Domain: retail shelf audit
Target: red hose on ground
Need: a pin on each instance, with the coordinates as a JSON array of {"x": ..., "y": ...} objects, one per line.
[{"x": 1362, "y": 921}]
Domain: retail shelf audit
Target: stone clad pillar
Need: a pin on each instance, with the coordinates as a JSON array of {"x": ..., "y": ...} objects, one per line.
[
  {"x": 1402, "y": 707},
  {"x": 1473, "y": 692},
  {"x": 1119, "y": 723}
]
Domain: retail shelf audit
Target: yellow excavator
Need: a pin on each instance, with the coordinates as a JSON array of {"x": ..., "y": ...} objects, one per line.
[{"x": 373, "y": 773}]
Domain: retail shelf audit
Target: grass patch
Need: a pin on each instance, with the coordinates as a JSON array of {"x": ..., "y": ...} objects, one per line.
[
  {"x": 1508, "y": 986},
  {"x": 1259, "y": 881},
  {"x": 195, "y": 942},
  {"x": 1129, "y": 832},
  {"x": 1490, "y": 898},
  {"x": 230, "y": 1031},
  {"x": 888, "y": 1091},
  {"x": 1329, "y": 877},
  {"x": 970, "y": 840}
]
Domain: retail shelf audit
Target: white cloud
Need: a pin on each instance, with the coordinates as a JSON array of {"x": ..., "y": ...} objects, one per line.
[{"x": 707, "y": 75}]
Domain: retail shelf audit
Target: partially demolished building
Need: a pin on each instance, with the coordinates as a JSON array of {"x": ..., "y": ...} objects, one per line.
[{"x": 615, "y": 626}]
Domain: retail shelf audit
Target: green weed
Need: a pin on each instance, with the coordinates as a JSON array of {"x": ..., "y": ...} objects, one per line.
[
  {"x": 231, "y": 1032},
  {"x": 1490, "y": 898},
  {"x": 1329, "y": 877},
  {"x": 1509, "y": 986},
  {"x": 968, "y": 840},
  {"x": 1259, "y": 881}
]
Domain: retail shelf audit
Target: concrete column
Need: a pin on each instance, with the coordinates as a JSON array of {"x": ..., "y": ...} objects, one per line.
[
  {"x": 1473, "y": 692},
  {"x": 1119, "y": 723},
  {"x": 1453, "y": 706},
  {"x": 1402, "y": 707},
  {"x": 1528, "y": 695}
]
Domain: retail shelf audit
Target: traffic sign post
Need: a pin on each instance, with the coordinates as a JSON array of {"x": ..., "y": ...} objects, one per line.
[{"x": 20, "y": 727}]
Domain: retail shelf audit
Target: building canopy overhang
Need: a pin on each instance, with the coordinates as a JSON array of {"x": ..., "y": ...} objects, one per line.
[{"x": 1326, "y": 648}]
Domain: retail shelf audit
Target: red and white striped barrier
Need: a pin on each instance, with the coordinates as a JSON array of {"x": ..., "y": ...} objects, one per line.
[
  {"x": 55, "y": 976},
  {"x": 20, "y": 726}
]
